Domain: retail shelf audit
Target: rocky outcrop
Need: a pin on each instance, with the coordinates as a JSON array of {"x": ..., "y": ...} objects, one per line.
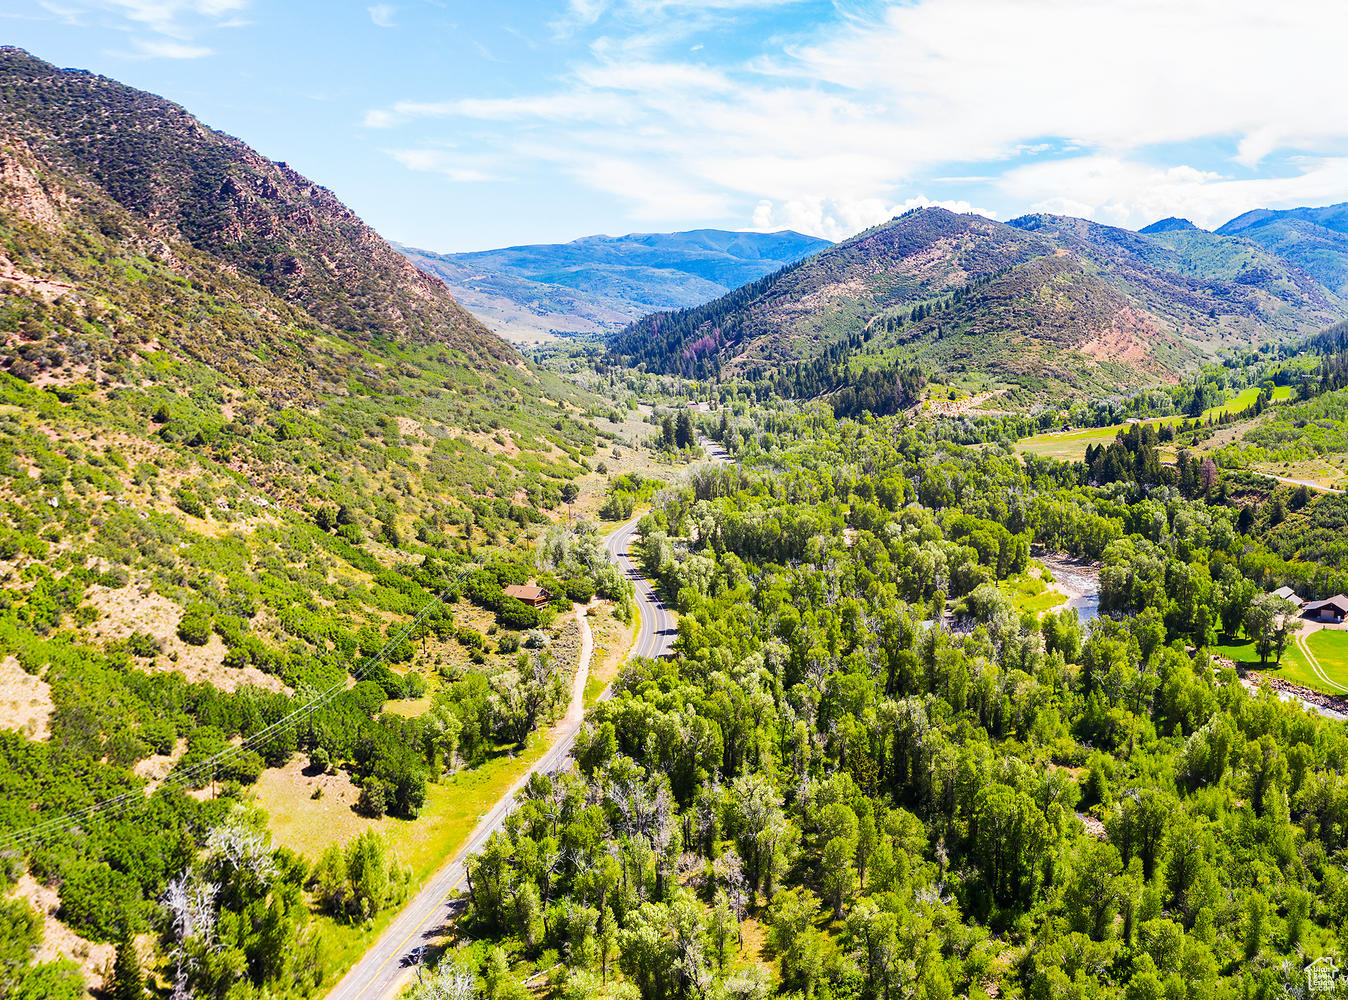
[{"x": 23, "y": 193}]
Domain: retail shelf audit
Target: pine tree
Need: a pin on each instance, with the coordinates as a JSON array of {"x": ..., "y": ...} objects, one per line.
[{"x": 128, "y": 983}]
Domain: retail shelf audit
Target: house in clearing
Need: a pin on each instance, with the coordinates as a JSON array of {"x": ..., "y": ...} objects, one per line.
[
  {"x": 534, "y": 596},
  {"x": 1288, "y": 594},
  {"x": 1331, "y": 609}
]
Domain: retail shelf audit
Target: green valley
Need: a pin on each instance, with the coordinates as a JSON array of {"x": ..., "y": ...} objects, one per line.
[{"x": 955, "y": 609}]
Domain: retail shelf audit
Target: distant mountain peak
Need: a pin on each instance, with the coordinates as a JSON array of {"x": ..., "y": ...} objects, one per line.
[
  {"x": 1172, "y": 224},
  {"x": 602, "y": 282}
]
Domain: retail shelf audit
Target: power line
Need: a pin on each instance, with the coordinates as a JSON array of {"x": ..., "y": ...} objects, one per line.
[{"x": 30, "y": 835}]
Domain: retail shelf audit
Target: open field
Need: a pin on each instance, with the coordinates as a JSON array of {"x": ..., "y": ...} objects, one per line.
[
  {"x": 1031, "y": 594},
  {"x": 1244, "y": 399},
  {"x": 1327, "y": 651},
  {"x": 453, "y": 807},
  {"x": 1072, "y": 445},
  {"x": 612, "y": 639}
]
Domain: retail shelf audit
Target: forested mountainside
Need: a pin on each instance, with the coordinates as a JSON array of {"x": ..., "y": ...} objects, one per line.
[
  {"x": 1315, "y": 239},
  {"x": 242, "y": 444},
  {"x": 1048, "y": 303},
  {"x": 187, "y": 183},
  {"x": 600, "y": 283}
]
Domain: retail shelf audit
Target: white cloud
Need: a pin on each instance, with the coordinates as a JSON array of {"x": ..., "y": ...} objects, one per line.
[
  {"x": 175, "y": 18},
  {"x": 836, "y": 131},
  {"x": 382, "y": 14},
  {"x": 1126, "y": 193},
  {"x": 167, "y": 48},
  {"x": 836, "y": 220},
  {"x": 458, "y": 167}
]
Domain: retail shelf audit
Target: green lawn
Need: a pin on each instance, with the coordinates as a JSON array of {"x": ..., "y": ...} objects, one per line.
[
  {"x": 1244, "y": 399},
  {"x": 1330, "y": 649},
  {"x": 1068, "y": 445},
  {"x": 1030, "y": 594}
]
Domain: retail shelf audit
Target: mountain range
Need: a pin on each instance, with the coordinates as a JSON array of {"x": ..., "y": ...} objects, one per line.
[
  {"x": 601, "y": 283},
  {"x": 1047, "y": 303}
]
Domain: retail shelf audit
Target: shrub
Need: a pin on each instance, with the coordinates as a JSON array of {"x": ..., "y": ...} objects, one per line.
[
  {"x": 190, "y": 503},
  {"x": 195, "y": 626},
  {"x": 245, "y": 768},
  {"x": 319, "y": 760},
  {"x": 143, "y": 644},
  {"x": 578, "y": 589},
  {"x": 159, "y": 735},
  {"x": 515, "y": 614},
  {"x": 98, "y": 902},
  {"x": 373, "y": 801}
]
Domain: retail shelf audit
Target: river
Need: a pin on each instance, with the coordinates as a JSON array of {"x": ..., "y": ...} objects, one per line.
[{"x": 1079, "y": 580}]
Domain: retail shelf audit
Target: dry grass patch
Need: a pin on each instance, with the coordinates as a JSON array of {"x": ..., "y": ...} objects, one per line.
[
  {"x": 612, "y": 640},
  {"x": 155, "y": 769},
  {"x": 58, "y": 940},
  {"x": 25, "y": 700},
  {"x": 133, "y": 609}
]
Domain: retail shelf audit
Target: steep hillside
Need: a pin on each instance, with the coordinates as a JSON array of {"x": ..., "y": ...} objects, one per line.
[
  {"x": 188, "y": 183},
  {"x": 224, "y": 492},
  {"x": 1314, "y": 239},
  {"x": 1047, "y": 303},
  {"x": 600, "y": 283},
  {"x": 1212, "y": 288}
]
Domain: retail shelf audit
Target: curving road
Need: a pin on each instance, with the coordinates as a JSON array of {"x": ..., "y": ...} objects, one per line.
[
  {"x": 389, "y": 963},
  {"x": 656, "y": 628}
]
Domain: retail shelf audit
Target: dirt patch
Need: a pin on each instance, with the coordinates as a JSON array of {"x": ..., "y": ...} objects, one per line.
[
  {"x": 25, "y": 700},
  {"x": 132, "y": 609},
  {"x": 155, "y": 769},
  {"x": 962, "y": 407},
  {"x": 1094, "y": 827},
  {"x": 58, "y": 940}
]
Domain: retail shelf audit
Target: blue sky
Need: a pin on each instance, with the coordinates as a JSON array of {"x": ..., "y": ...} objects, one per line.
[{"x": 452, "y": 125}]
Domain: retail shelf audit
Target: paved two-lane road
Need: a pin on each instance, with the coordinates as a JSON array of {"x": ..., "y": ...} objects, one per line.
[
  {"x": 656, "y": 628},
  {"x": 388, "y": 963}
]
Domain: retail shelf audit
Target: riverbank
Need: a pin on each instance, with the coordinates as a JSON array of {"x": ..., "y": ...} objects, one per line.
[{"x": 1076, "y": 579}]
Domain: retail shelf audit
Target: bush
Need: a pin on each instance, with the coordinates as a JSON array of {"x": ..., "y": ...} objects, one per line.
[
  {"x": 245, "y": 768},
  {"x": 578, "y": 589},
  {"x": 373, "y": 801},
  {"x": 98, "y": 902},
  {"x": 190, "y": 503},
  {"x": 195, "y": 627},
  {"x": 159, "y": 735},
  {"x": 319, "y": 760},
  {"x": 515, "y": 614},
  {"x": 143, "y": 644}
]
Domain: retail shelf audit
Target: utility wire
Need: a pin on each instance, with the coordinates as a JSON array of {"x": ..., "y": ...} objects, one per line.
[{"x": 29, "y": 836}]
